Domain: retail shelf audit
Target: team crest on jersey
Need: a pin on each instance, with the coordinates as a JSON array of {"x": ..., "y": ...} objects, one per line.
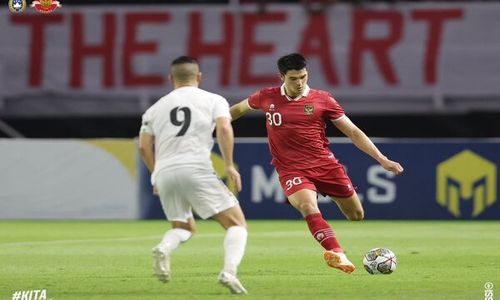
[
  {"x": 308, "y": 109},
  {"x": 16, "y": 6},
  {"x": 46, "y": 6}
]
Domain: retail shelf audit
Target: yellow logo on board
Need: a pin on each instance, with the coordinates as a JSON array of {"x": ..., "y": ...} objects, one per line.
[
  {"x": 466, "y": 176},
  {"x": 218, "y": 164}
]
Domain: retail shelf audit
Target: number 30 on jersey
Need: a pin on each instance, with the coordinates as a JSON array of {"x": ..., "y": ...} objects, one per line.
[{"x": 274, "y": 119}]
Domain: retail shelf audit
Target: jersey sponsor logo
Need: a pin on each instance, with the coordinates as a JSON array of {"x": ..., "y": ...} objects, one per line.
[
  {"x": 466, "y": 176},
  {"x": 46, "y": 6},
  {"x": 17, "y": 6},
  {"x": 271, "y": 107},
  {"x": 308, "y": 109}
]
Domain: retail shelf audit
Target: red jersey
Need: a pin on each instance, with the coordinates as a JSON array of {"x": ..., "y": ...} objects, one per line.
[{"x": 296, "y": 127}]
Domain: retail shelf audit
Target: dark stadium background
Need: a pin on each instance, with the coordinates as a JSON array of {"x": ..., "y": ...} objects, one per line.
[{"x": 476, "y": 124}]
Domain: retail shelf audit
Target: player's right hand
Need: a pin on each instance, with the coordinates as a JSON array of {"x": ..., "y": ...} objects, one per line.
[
  {"x": 234, "y": 175},
  {"x": 392, "y": 166}
]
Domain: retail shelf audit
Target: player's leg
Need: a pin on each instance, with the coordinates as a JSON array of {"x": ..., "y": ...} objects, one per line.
[
  {"x": 335, "y": 182},
  {"x": 235, "y": 241},
  {"x": 351, "y": 207},
  {"x": 213, "y": 199},
  {"x": 305, "y": 201},
  {"x": 302, "y": 196},
  {"x": 179, "y": 233},
  {"x": 178, "y": 212},
  {"x": 230, "y": 217}
]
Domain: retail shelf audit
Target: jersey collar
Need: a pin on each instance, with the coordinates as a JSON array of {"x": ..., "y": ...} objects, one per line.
[{"x": 304, "y": 93}]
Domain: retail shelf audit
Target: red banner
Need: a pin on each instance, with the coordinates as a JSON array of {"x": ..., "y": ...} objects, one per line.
[{"x": 396, "y": 50}]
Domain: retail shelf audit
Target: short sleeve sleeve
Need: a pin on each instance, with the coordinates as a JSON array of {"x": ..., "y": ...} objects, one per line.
[
  {"x": 146, "y": 125},
  {"x": 333, "y": 109},
  {"x": 221, "y": 108},
  {"x": 254, "y": 100}
]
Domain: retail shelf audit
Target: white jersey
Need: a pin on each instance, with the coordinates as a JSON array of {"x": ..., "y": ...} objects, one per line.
[{"x": 182, "y": 123}]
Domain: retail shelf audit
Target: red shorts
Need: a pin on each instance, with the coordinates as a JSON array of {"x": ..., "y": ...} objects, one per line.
[{"x": 330, "y": 180}]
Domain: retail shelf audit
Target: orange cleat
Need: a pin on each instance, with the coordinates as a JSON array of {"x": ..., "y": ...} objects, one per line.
[{"x": 339, "y": 261}]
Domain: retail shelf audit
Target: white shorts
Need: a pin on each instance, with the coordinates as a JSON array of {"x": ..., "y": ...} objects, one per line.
[{"x": 187, "y": 189}]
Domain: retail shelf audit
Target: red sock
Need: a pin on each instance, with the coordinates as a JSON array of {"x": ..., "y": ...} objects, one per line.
[{"x": 322, "y": 232}]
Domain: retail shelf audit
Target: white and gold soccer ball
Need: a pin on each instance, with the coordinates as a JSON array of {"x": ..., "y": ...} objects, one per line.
[{"x": 380, "y": 261}]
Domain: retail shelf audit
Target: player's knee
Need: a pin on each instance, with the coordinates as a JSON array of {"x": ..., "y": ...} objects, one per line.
[
  {"x": 357, "y": 215},
  {"x": 307, "y": 208},
  {"x": 236, "y": 222},
  {"x": 231, "y": 217},
  {"x": 189, "y": 226}
]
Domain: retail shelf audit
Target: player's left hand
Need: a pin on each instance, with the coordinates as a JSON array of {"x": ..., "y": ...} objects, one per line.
[
  {"x": 233, "y": 175},
  {"x": 392, "y": 166}
]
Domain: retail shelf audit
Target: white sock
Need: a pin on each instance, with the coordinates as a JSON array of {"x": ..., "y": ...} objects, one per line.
[
  {"x": 172, "y": 239},
  {"x": 234, "y": 248}
]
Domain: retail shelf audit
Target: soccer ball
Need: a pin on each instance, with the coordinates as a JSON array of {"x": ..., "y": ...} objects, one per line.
[{"x": 380, "y": 261}]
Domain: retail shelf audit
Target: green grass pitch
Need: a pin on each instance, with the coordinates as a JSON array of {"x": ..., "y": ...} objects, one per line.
[{"x": 112, "y": 260}]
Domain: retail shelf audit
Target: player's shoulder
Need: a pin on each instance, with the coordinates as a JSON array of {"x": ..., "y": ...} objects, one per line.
[
  {"x": 160, "y": 104},
  {"x": 211, "y": 95},
  {"x": 154, "y": 106},
  {"x": 320, "y": 94},
  {"x": 323, "y": 96},
  {"x": 262, "y": 96}
]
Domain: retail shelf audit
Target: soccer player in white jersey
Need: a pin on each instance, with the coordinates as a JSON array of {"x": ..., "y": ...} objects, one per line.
[{"x": 175, "y": 143}]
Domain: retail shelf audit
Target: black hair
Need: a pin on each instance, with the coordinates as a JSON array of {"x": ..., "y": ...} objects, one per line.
[
  {"x": 184, "y": 60},
  {"x": 294, "y": 61}
]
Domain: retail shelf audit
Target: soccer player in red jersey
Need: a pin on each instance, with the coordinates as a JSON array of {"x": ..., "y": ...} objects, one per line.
[{"x": 296, "y": 117}]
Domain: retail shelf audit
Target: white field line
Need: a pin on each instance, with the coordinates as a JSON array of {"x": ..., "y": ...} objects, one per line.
[{"x": 151, "y": 237}]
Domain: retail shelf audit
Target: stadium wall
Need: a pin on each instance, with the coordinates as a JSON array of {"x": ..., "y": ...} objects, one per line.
[
  {"x": 68, "y": 179},
  {"x": 104, "y": 179},
  {"x": 443, "y": 179}
]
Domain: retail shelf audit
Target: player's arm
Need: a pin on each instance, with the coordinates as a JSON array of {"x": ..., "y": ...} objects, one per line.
[
  {"x": 146, "y": 148},
  {"x": 240, "y": 109},
  {"x": 359, "y": 138},
  {"x": 225, "y": 138}
]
